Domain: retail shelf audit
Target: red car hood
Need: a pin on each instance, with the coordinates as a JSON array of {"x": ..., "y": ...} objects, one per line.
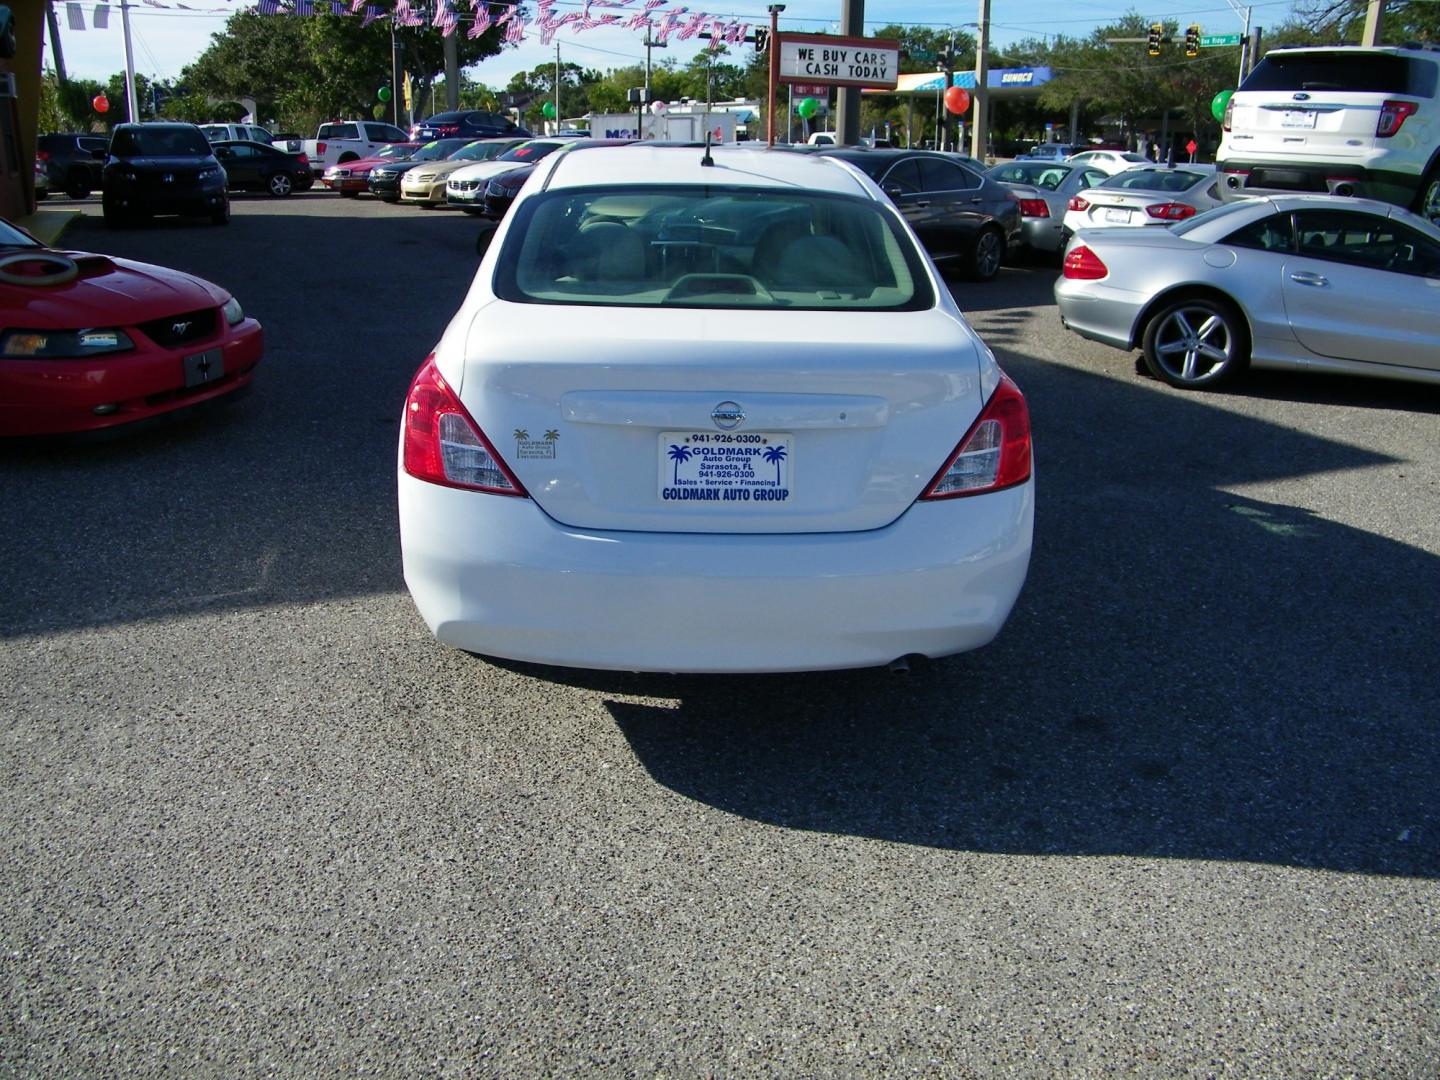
[{"x": 108, "y": 292}]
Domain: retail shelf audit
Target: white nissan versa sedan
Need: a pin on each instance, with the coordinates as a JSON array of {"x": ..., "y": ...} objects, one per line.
[{"x": 711, "y": 412}]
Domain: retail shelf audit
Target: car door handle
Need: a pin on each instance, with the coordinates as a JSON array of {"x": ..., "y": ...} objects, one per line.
[
  {"x": 1305, "y": 277},
  {"x": 921, "y": 203},
  {"x": 977, "y": 200}
]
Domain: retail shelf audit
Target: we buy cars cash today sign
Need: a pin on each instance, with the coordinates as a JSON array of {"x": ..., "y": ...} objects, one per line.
[{"x": 841, "y": 61}]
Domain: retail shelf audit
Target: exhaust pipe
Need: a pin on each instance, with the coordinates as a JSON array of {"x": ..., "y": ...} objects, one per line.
[{"x": 1344, "y": 188}]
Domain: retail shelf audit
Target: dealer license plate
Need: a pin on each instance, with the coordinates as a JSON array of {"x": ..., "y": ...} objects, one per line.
[
  {"x": 1298, "y": 118},
  {"x": 1118, "y": 217},
  {"x": 204, "y": 367},
  {"x": 725, "y": 467}
]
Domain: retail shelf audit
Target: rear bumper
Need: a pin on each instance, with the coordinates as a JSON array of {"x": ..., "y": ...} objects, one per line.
[
  {"x": 1099, "y": 311},
  {"x": 44, "y": 397},
  {"x": 495, "y": 575},
  {"x": 1241, "y": 178}
]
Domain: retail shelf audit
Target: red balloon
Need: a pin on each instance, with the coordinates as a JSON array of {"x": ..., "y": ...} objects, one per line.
[
  {"x": 957, "y": 99},
  {"x": 101, "y": 103}
]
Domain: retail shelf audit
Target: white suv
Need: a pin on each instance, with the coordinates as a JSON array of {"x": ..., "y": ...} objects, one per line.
[{"x": 1342, "y": 119}]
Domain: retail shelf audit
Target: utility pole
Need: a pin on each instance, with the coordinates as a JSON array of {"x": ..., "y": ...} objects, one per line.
[
  {"x": 395, "y": 50},
  {"x": 452, "y": 73},
  {"x": 54, "y": 24},
  {"x": 648, "y": 46},
  {"x": 980, "y": 129},
  {"x": 557, "y": 86},
  {"x": 852, "y": 24},
  {"x": 774, "y": 66},
  {"x": 1374, "y": 22},
  {"x": 947, "y": 122},
  {"x": 131, "y": 104}
]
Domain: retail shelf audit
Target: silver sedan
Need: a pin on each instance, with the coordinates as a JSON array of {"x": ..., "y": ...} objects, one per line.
[
  {"x": 1044, "y": 189},
  {"x": 1145, "y": 195},
  {"x": 1298, "y": 282}
]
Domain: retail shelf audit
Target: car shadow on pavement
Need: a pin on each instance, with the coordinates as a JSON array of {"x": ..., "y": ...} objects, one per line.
[{"x": 1189, "y": 673}]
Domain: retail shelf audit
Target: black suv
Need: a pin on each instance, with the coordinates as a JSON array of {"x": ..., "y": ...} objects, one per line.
[
  {"x": 162, "y": 169},
  {"x": 72, "y": 161},
  {"x": 467, "y": 124}
]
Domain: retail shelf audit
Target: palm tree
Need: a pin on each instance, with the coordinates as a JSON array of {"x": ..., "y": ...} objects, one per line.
[
  {"x": 774, "y": 456},
  {"x": 677, "y": 455},
  {"x": 551, "y": 435},
  {"x": 521, "y": 435}
]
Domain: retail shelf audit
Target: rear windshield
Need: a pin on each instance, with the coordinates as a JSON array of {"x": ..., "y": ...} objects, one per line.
[
  {"x": 1156, "y": 180},
  {"x": 1371, "y": 73},
  {"x": 159, "y": 142},
  {"x": 710, "y": 247},
  {"x": 1037, "y": 173},
  {"x": 478, "y": 151}
]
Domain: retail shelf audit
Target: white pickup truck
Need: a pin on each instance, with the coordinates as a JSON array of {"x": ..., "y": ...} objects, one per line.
[{"x": 348, "y": 140}]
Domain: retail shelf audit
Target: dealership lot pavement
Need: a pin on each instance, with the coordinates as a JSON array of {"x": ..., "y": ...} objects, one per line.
[{"x": 1180, "y": 819}]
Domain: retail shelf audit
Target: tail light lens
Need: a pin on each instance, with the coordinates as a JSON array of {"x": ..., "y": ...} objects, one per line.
[
  {"x": 1229, "y": 114},
  {"x": 1392, "y": 115},
  {"x": 304, "y": 159},
  {"x": 1170, "y": 211},
  {"x": 443, "y": 445},
  {"x": 995, "y": 452},
  {"x": 42, "y": 155},
  {"x": 1077, "y": 203},
  {"x": 1084, "y": 265},
  {"x": 1034, "y": 208},
  {"x": 320, "y": 149}
]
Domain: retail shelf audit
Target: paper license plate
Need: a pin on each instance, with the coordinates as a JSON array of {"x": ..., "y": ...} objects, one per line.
[
  {"x": 204, "y": 367},
  {"x": 1298, "y": 118},
  {"x": 1118, "y": 217},
  {"x": 725, "y": 467}
]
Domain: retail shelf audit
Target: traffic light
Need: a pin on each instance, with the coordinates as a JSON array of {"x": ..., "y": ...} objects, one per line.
[
  {"x": 1192, "y": 41},
  {"x": 1157, "y": 32}
]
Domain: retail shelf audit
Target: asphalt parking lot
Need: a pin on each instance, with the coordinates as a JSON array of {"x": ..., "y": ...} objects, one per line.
[{"x": 1181, "y": 819}]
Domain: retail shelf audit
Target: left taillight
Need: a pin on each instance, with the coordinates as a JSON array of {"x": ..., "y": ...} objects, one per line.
[
  {"x": 1170, "y": 211},
  {"x": 443, "y": 444},
  {"x": 1077, "y": 203},
  {"x": 995, "y": 452},
  {"x": 1034, "y": 208}
]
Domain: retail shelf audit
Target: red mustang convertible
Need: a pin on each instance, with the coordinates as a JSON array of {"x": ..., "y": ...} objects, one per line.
[{"x": 90, "y": 342}]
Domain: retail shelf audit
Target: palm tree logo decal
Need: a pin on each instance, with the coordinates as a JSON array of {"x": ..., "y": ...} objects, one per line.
[
  {"x": 774, "y": 456},
  {"x": 521, "y": 435},
  {"x": 677, "y": 455},
  {"x": 551, "y": 435}
]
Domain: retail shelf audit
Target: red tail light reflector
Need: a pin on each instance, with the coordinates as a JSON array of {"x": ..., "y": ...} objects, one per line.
[
  {"x": 443, "y": 444},
  {"x": 304, "y": 159},
  {"x": 42, "y": 155},
  {"x": 320, "y": 149},
  {"x": 1392, "y": 115},
  {"x": 1170, "y": 211},
  {"x": 995, "y": 452},
  {"x": 1034, "y": 208},
  {"x": 1084, "y": 265},
  {"x": 1077, "y": 203}
]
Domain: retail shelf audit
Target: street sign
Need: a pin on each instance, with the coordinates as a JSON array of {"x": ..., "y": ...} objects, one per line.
[
  {"x": 762, "y": 39},
  {"x": 921, "y": 54},
  {"x": 1216, "y": 41}
]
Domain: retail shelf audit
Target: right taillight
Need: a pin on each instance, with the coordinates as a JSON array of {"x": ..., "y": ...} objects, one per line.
[
  {"x": 1034, "y": 208},
  {"x": 444, "y": 445},
  {"x": 1077, "y": 203},
  {"x": 319, "y": 149},
  {"x": 1392, "y": 115},
  {"x": 995, "y": 452},
  {"x": 1084, "y": 264}
]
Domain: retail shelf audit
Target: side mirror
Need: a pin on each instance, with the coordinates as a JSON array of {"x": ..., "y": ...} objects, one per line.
[{"x": 487, "y": 234}]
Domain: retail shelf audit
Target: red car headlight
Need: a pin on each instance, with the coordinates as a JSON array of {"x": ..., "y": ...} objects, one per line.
[{"x": 44, "y": 344}]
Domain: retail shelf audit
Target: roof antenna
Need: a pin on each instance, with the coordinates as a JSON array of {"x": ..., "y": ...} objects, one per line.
[{"x": 707, "y": 159}]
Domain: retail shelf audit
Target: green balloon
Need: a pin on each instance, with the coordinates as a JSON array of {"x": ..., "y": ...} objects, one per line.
[
  {"x": 808, "y": 107},
  {"x": 1219, "y": 102},
  {"x": 384, "y": 93},
  {"x": 549, "y": 110}
]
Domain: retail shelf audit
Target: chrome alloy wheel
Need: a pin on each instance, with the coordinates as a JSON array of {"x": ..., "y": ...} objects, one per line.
[
  {"x": 987, "y": 255},
  {"x": 1195, "y": 342},
  {"x": 1430, "y": 201}
]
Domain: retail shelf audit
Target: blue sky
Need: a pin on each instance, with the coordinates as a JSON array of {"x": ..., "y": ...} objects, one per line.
[{"x": 166, "y": 40}]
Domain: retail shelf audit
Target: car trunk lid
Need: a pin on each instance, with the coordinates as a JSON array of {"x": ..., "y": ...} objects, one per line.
[{"x": 721, "y": 421}]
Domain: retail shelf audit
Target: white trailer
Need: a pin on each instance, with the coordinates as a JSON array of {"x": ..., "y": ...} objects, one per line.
[{"x": 669, "y": 126}]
